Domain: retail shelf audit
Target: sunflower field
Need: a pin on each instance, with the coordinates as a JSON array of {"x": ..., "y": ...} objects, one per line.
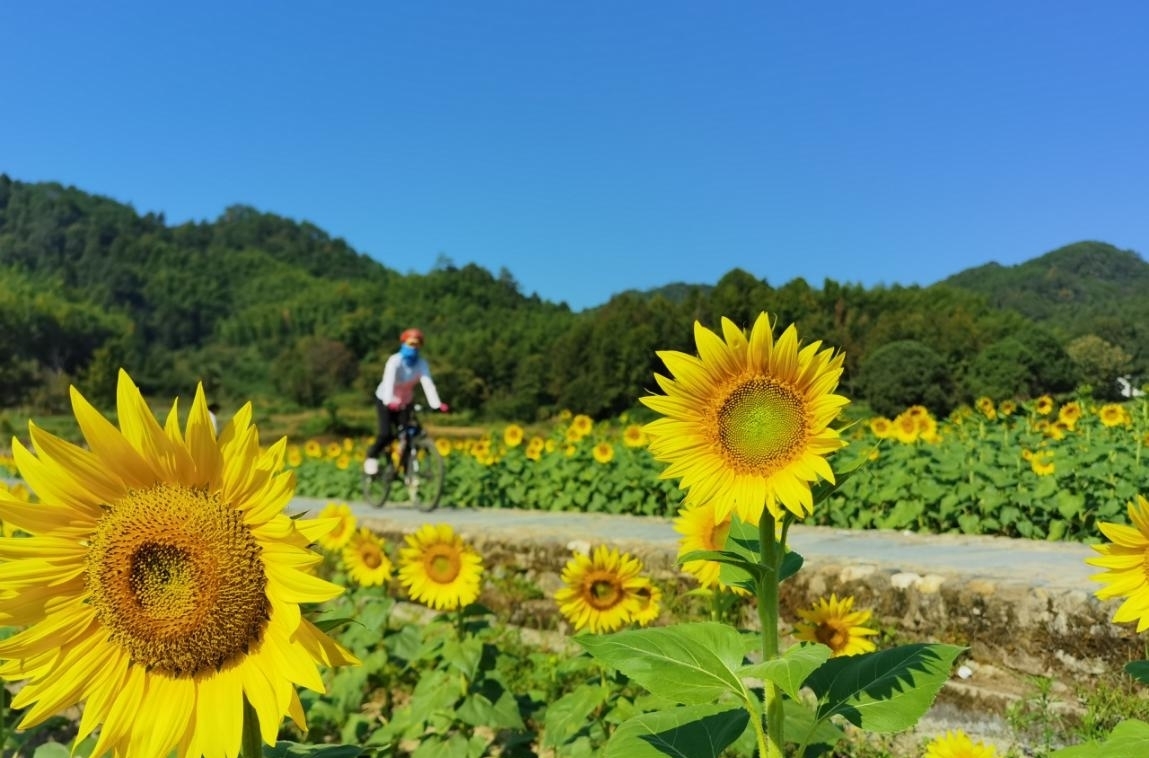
[{"x": 1043, "y": 469}]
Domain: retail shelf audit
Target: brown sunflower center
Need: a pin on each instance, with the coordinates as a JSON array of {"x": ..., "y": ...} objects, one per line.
[
  {"x": 175, "y": 577},
  {"x": 443, "y": 563},
  {"x": 832, "y": 634},
  {"x": 603, "y": 591},
  {"x": 761, "y": 424},
  {"x": 371, "y": 557}
]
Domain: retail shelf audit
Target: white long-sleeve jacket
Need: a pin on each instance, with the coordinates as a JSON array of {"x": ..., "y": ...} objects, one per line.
[{"x": 399, "y": 382}]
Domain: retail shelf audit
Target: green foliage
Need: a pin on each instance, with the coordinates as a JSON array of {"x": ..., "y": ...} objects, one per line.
[
  {"x": 312, "y": 369},
  {"x": 904, "y": 373},
  {"x": 1005, "y": 369},
  {"x": 1099, "y": 364}
]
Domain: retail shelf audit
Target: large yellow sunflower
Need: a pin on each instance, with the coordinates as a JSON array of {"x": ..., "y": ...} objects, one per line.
[
  {"x": 747, "y": 422},
  {"x": 601, "y": 592},
  {"x": 1124, "y": 561},
  {"x": 365, "y": 560},
  {"x": 438, "y": 569},
  {"x": 957, "y": 744},
  {"x": 345, "y": 525},
  {"x": 834, "y": 623},
  {"x": 162, "y": 582},
  {"x": 603, "y": 452}
]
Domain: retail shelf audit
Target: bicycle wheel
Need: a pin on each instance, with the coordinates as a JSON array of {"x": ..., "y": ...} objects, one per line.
[
  {"x": 377, "y": 487},
  {"x": 425, "y": 474}
]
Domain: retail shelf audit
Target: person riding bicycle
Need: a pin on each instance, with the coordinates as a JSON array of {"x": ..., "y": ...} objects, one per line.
[{"x": 395, "y": 393}]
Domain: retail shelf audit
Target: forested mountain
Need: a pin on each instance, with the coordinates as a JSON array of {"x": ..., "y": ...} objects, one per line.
[{"x": 254, "y": 304}]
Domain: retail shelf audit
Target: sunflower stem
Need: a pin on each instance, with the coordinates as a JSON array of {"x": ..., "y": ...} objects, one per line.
[
  {"x": 252, "y": 745},
  {"x": 771, "y": 559}
]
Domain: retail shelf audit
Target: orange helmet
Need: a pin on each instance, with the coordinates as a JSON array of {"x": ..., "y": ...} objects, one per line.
[{"x": 410, "y": 335}]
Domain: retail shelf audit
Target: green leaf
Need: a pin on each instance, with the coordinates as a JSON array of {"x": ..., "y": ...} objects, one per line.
[
  {"x": 695, "y": 731},
  {"x": 1129, "y": 739},
  {"x": 1139, "y": 670},
  {"x": 885, "y": 691},
  {"x": 736, "y": 569},
  {"x": 52, "y": 750},
  {"x": 498, "y": 711},
  {"x": 791, "y": 669},
  {"x": 689, "y": 663},
  {"x": 800, "y": 726},
  {"x": 567, "y": 716}
]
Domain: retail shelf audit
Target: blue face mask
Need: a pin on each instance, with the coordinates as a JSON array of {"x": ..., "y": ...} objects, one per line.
[{"x": 410, "y": 354}]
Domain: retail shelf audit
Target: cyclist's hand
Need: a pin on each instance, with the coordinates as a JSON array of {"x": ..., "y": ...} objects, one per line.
[
  {"x": 393, "y": 405},
  {"x": 444, "y": 408}
]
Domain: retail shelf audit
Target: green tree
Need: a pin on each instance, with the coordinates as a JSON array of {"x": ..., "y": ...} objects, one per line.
[
  {"x": 313, "y": 369},
  {"x": 905, "y": 373},
  {"x": 1100, "y": 364}
]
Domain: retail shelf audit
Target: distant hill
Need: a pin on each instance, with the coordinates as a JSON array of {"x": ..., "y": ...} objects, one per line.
[
  {"x": 258, "y": 305},
  {"x": 1080, "y": 288}
]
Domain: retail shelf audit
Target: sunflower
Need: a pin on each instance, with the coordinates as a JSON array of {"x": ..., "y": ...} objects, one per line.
[
  {"x": 162, "y": 582},
  {"x": 513, "y": 435},
  {"x": 294, "y": 456},
  {"x": 649, "y": 599},
  {"x": 633, "y": 436},
  {"x": 747, "y": 422},
  {"x": 438, "y": 569},
  {"x": 881, "y": 427},
  {"x": 365, "y": 560},
  {"x": 985, "y": 407},
  {"x": 443, "y": 446},
  {"x": 1042, "y": 463},
  {"x": 1124, "y": 561},
  {"x": 582, "y": 425},
  {"x": 344, "y": 527},
  {"x": 700, "y": 530},
  {"x": 603, "y": 452},
  {"x": 957, "y": 744},
  {"x": 601, "y": 592},
  {"x": 1043, "y": 406},
  {"x": 1069, "y": 414},
  {"x": 906, "y": 428},
  {"x": 536, "y": 447},
  {"x": 313, "y": 449},
  {"x": 834, "y": 623},
  {"x": 1007, "y": 408},
  {"x": 1113, "y": 414}
]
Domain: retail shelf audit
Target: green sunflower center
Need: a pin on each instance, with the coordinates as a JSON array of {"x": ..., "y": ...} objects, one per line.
[
  {"x": 176, "y": 578},
  {"x": 761, "y": 424},
  {"x": 443, "y": 563},
  {"x": 603, "y": 591}
]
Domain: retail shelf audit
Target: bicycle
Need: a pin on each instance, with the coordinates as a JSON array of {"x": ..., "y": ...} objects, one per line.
[{"x": 420, "y": 469}]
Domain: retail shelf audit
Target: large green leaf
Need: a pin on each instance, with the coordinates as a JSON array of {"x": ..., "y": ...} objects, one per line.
[
  {"x": 566, "y": 716},
  {"x": 1139, "y": 670},
  {"x": 885, "y": 691},
  {"x": 790, "y": 669},
  {"x": 689, "y": 663},
  {"x": 1129, "y": 739},
  {"x": 802, "y": 727},
  {"x": 693, "y": 731}
]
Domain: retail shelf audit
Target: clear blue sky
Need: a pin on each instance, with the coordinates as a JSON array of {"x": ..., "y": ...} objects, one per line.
[{"x": 595, "y": 147}]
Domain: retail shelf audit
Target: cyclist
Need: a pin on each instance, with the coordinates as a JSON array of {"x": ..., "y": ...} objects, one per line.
[{"x": 395, "y": 393}]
